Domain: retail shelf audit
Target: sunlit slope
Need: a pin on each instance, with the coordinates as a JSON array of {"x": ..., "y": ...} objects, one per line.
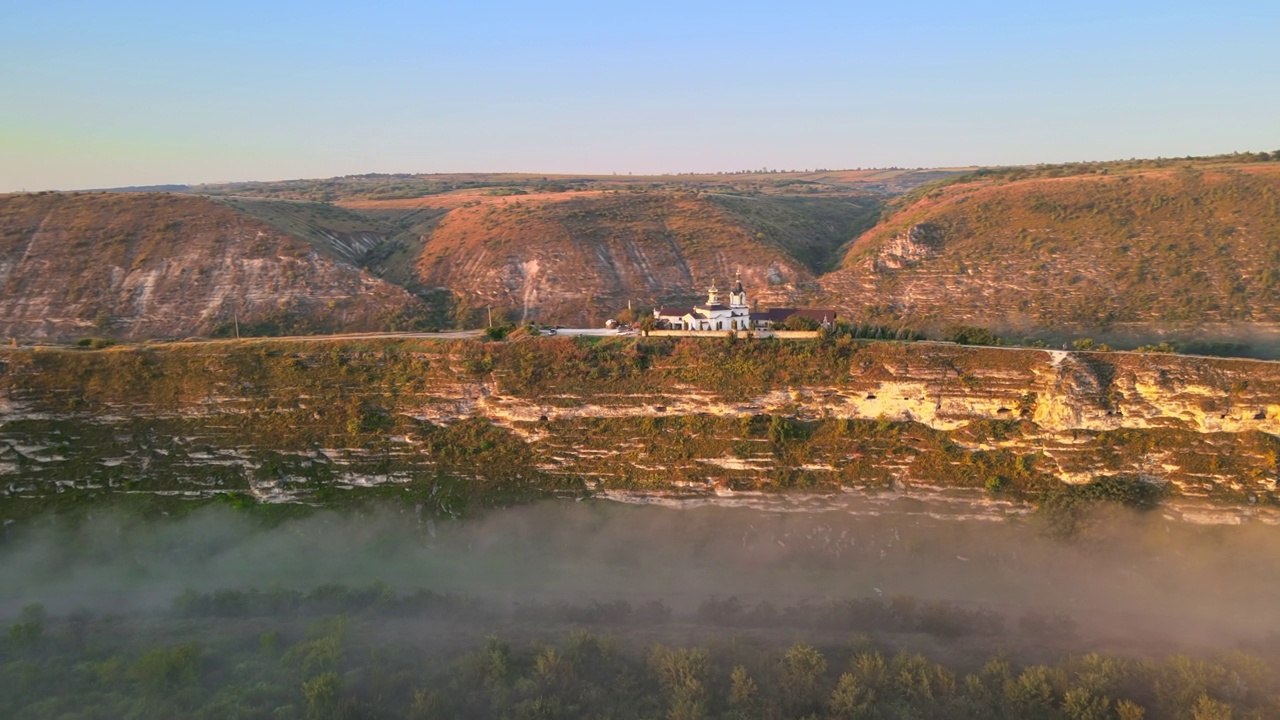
[
  {"x": 580, "y": 257},
  {"x": 1156, "y": 249},
  {"x": 341, "y": 233},
  {"x": 453, "y": 423},
  {"x": 159, "y": 265}
]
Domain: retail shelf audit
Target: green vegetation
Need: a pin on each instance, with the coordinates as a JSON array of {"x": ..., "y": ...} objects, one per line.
[
  {"x": 966, "y": 335},
  {"x": 810, "y": 229},
  {"x": 324, "y": 225},
  {"x": 1104, "y": 167},
  {"x": 1065, "y": 509},
  {"x": 338, "y": 651}
]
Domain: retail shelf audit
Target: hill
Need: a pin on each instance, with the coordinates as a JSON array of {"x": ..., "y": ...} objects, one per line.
[
  {"x": 138, "y": 266},
  {"x": 580, "y": 257},
  {"x": 1128, "y": 252},
  {"x": 1144, "y": 252}
]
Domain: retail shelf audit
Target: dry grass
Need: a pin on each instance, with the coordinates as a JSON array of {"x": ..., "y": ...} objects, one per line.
[{"x": 1172, "y": 246}]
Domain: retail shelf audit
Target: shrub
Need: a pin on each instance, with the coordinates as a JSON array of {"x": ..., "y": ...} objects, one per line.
[
  {"x": 968, "y": 335},
  {"x": 27, "y": 631},
  {"x": 165, "y": 668}
]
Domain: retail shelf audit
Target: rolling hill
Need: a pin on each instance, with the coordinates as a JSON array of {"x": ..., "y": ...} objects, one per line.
[
  {"x": 138, "y": 266},
  {"x": 1134, "y": 251},
  {"x": 1144, "y": 252},
  {"x": 409, "y": 187},
  {"x": 578, "y": 258}
]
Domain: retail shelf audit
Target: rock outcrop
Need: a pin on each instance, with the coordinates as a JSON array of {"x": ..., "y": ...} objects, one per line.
[
  {"x": 919, "y": 242},
  {"x": 284, "y": 421}
]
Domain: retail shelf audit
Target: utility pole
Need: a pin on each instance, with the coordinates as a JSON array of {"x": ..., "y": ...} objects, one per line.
[{"x": 490, "y": 316}]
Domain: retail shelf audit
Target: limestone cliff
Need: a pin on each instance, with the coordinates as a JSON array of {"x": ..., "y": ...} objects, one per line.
[{"x": 289, "y": 421}]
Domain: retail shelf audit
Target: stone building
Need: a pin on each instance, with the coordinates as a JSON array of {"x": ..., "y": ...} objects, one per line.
[{"x": 713, "y": 316}]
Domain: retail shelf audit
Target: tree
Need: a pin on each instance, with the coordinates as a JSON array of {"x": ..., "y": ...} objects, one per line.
[
  {"x": 162, "y": 669},
  {"x": 682, "y": 674},
  {"x": 968, "y": 335},
  {"x": 799, "y": 322},
  {"x": 551, "y": 668},
  {"x": 1130, "y": 710},
  {"x": 870, "y": 669},
  {"x": 1206, "y": 708},
  {"x": 799, "y": 673},
  {"x": 851, "y": 700},
  {"x": 30, "y": 626},
  {"x": 1030, "y": 696},
  {"x": 744, "y": 694},
  {"x": 321, "y": 693},
  {"x": 1082, "y": 704}
]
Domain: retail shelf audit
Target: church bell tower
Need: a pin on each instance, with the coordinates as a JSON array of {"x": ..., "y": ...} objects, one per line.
[{"x": 737, "y": 296}]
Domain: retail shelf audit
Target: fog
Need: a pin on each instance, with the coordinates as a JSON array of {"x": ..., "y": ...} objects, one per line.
[{"x": 1129, "y": 578}]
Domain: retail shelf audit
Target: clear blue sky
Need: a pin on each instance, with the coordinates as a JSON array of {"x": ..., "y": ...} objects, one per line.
[{"x": 124, "y": 92}]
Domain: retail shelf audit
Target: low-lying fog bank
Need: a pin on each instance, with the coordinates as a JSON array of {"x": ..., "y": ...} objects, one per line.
[{"x": 1129, "y": 575}]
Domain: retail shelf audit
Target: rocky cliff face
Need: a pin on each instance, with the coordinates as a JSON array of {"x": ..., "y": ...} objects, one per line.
[
  {"x": 293, "y": 421},
  {"x": 141, "y": 266}
]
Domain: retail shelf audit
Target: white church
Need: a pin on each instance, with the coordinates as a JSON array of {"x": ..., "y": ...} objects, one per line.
[{"x": 714, "y": 315}]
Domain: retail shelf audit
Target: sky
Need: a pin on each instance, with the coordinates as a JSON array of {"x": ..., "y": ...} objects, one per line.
[{"x": 106, "y": 94}]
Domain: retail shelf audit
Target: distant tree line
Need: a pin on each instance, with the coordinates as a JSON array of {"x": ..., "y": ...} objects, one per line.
[{"x": 228, "y": 655}]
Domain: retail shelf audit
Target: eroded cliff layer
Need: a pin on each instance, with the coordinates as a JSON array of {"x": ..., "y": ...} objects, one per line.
[{"x": 442, "y": 422}]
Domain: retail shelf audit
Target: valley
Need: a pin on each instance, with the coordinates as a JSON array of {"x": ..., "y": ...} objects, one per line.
[{"x": 1128, "y": 253}]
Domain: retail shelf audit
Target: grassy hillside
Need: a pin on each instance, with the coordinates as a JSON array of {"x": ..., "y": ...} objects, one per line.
[
  {"x": 148, "y": 265},
  {"x": 332, "y": 230},
  {"x": 385, "y": 242},
  {"x": 811, "y": 229},
  {"x": 1151, "y": 249},
  {"x": 580, "y": 257}
]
